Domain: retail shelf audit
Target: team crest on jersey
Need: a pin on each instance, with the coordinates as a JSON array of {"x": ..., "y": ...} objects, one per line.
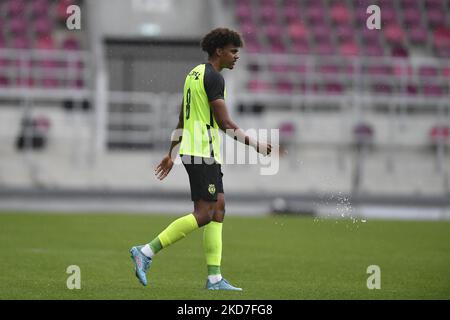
[
  {"x": 212, "y": 189},
  {"x": 195, "y": 74}
]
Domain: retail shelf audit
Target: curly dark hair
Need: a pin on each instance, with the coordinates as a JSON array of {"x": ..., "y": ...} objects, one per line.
[{"x": 220, "y": 38}]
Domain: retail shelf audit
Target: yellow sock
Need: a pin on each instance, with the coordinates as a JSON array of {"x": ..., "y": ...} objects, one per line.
[
  {"x": 212, "y": 244},
  {"x": 178, "y": 230}
]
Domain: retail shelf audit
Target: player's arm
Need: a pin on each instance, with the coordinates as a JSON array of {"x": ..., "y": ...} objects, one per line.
[
  {"x": 230, "y": 128},
  {"x": 177, "y": 135},
  {"x": 166, "y": 164}
]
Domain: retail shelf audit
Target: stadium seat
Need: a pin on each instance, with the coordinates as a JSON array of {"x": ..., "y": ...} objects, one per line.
[
  {"x": 300, "y": 47},
  {"x": 268, "y": 14},
  {"x": 20, "y": 43},
  {"x": 18, "y": 26},
  {"x": 411, "y": 17},
  {"x": 71, "y": 43},
  {"x": 434, "y": 90},
  {"x": 43, "y": 26},
  {"x": 277, "y": 46},
  {"x": 394, "y": 34},
  {"x": 284, "y": 86},
  {"x": 436, "y": 17},
  {"x": 333, "y": 88},
  {"x": 428, "y": 71},
  {"x": 349, "y": 49},
  {"x": 345, "y": 33},
  {"x": 39, "y": 8},
  {"x": 14, "y": 7},
  {"x": 418, "y": 35},
  {"x": 399, "y": 51},
  {"x": 297, "y": 32},
  {"x": 340, "y": 14},
  {"x": 256, "y": 85}
]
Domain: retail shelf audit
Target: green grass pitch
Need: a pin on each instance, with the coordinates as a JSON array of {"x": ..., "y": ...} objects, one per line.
[{"x": 276, "y": 257}]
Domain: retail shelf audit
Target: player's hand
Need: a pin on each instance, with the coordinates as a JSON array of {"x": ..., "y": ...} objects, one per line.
[
  {"x": 164, "y": 167},
  {"x": 263, "y": 148}
]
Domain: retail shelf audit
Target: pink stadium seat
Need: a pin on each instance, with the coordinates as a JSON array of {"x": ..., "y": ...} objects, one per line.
[
  {"x": 297, "y": 32},
  {"x": 315, "y": 14},
  {"x": 441, "y": 39},
  {"x": 446, "y": 72},
  {"x": 436, "y": 17},
  {"x": 394, "y": 34},
  {"x": 328, "y": 69},
  {"x": 21, "y": 43},
  {"x": 300, "y": 47},
  {"x": 418, "y": 35},
  {"x": 4, "y": 82},
  {"x": 408, "y": 4},
  {"x": 411, "y": 89},
  {"x": 45, "y": 43},
  {"x": 345, "y": 33},
  {"x": 40, "y": 8},
  {"x": 434, "y": 4},
  {"x": 411, "y": 16},
  {"x": 15, "y": 7},
  {"x": 370, "y": 36},
  {"x": 333, "y": 87},
  {"x": 243, "y": 12},
  {"x": 71, "y": 43},
  {"x": 379, "y": 70},
  {"x": 256, "y": 85},
  {"x": 253, "y": 47},
  {"x": 291, "y": 13},
  {"x": 268, "y": 14},
  {"x": 349, "y": 49},
  {"x": 273, "y": 32},
  {"x": 43, "y": 26},
  {"x": 388, "y": 16},
  {"x": 340, "y": 14},
  {"x": 439, "y": 134},
  {"x": 382, "y": 88},
  {"x": 325, "y": 48},
  {"x": 248, "y": 29},
  {"x": 18, "y": 26},
  {"x": 279, "y": 68},
  {"x": 433, "y": 90},
  {"x": 428, "y": 71},
  {"x": 299, "y": 68},
  {"x": 399, "y": 51},
  {"x": 277, "y": 47},
  {"x": 373, "y": 49},
  {"x": 284, "y": 86},
  {"x": 321, "y": 33}
]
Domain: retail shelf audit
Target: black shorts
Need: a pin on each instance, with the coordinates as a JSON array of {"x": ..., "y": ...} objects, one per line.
[{"x": 205, "y": 177}]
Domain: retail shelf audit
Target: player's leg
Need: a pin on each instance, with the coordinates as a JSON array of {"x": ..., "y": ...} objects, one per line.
[
  {"x": 177, "y": 230},
  {"x": 212, "y": 242}
]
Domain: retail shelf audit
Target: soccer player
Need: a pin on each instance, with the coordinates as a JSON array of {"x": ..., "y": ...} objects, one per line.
[{"x": 203, "y": 113}]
